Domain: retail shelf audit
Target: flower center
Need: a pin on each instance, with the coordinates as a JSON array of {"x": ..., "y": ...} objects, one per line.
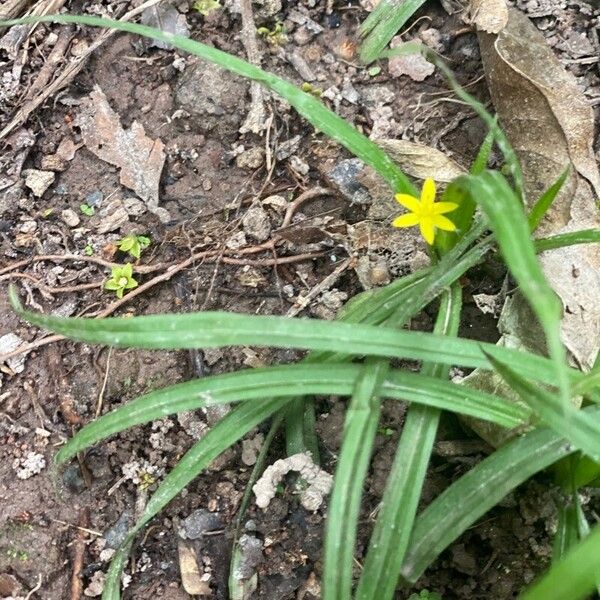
[{"x": 123, "y": 281}]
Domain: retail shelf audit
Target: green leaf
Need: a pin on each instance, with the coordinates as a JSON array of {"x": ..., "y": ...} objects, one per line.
[
  {"x": 585, "y": 236},
  {"x": 390, "y": 537},
  {"x": 383, "y": 24},
  {"x": 566, "y": 420},
  {"x": 360, "y": 428},
  {"x": 312, "y": 109},
  {"x": 483, "y": 156},
  {"x": 509, "y": 223},
  {"x": 285, "y": 382},
  {"x": 540, "y": 208},
  {"x": 567, "y": 531},
  {"x": 574, "y": 577},
  {"x": 217, "y": 329},
  {"x": 476, "y": 492}
]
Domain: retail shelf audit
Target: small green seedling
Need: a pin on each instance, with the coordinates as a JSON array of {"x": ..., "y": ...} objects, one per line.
[
  {"x": 121, "y": 280},
  {"x": 309, "y": 88},
  {"x": 87, "y": 210},
  {"x": 88, "y": 250},
  {"x": 205, "y": 7},
  {"x": 133, "y": 244},
  {"x": 425, "y": 595},
  {"x": 275, "y": 36}
]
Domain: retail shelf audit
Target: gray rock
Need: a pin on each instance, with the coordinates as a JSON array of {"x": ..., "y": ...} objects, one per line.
[
  {"x": 251, "y": 556},
  {"x": 257, "y": 224},
  {"x": 115, "y": 534},
  {"x": 214, "y": 96},
  {"x": 113, "y": 216},
  {"x": 198, "y": 523},
  {"x": 70, "y": 217},
  {"x": 344, "y": 177},
  {"x": 38, "y": 181},
  {"x": 251, "y": 159}
]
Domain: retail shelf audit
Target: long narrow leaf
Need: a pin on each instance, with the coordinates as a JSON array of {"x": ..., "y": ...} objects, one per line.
[
  {"x": 312, "y": 109},
  {"x": 566, "y": 420},
  {"x": 479, "y": 490},
  {"x": 540, "y": 208},
  {"x": 383, "y": 24},
  {"x": 585, "y": 236},
  {"x": 362, "y": 418},
  {"x": 217, "y": 329},
  {"x": 394, "y": 524},
  {"x": 254, "y": 385},
  {"x": 509, "y": 223}
]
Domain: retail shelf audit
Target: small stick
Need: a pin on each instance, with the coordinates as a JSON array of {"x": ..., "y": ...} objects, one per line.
[{"x": 78, "y": 555}]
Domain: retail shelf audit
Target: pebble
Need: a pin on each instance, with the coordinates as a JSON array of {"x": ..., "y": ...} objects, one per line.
[
  {"x": 134, "y": 207},
  {"x": 94, "y": 198},
  {"x": 344, "y": 177},
  {"x": 251, "y": 159},
  {"x": 38, "y": 181},
  {"x": 198, "y": 523},
  {"x": 257, "y": 224},
  {"x": 115, "y": 534},
  {"x": 113, "y": 216},
  {"x": 70, "y": 217}
]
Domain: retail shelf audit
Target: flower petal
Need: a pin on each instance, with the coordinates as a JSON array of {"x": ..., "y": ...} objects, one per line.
[
  {"x": 440, "y": 208},
  {"x": 428, "y": 192},
  {"x": 443, "y": 223},
  {"x": 407, "y": 220},
  {"x": 427, "y": 230},
  {"x": 111, "y": 285},
  {"x": 409, "y": 202},
  {"x": 128, "y": 270},
  {"x": 132, "y": 283}
]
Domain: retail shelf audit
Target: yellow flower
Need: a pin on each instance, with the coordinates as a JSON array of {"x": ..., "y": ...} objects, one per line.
[{"x": 426, "y": 212}]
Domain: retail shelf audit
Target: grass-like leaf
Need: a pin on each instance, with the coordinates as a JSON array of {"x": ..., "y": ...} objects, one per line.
[
  {"x": 574, "y": 577},
  {"x": 311, "y": 108},
  {"x": 390, "y": 537},
  {"x": 383, "y": 24},
  {"x": 217, "y": 329},
  {"x": 585, "y": 236},
  {"x": 567, "y": 421},
  {"x": 476, "y": 492},
  {"x": 540, "y": 208},
  {"x": 360, "y": 428},
  {"x": 254, "y": 385},
  {"x": 509, "y": 223}
]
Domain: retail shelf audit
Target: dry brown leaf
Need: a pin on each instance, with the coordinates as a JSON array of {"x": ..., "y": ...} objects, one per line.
[
  {"x": 139, "y": 158},
  {"x": 488, "y": 15},
  {"x": 191, "y": 579},
  {"x": 550, "y": 125}
]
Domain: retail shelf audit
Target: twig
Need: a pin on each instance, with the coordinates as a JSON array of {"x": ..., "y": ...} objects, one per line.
[
  {"x": 33, "y": 590},
  {"x": 302, "y": 302},
  {"x": 84, "y": 529},
  {"x": 256, "y": 119},
  {"x": 50, "y": 66},
  {"x": 301, "y": 199},
  {"x": 78, "y": 555},
  {"x": 104, "y": 382}
]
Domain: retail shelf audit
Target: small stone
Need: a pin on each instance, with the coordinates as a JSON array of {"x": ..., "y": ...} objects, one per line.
[
  {"x": 413, "y": 65},
  {"x": 344, "y": 177},
  {"x": 236, "y": 241},
  {"x": 198, "y": 523},
  {"x": 94, "y": 198},
  {"x": 257, "y": 224},
  {"x": 299, "y": 165},
  {"x": 38, "y": 181},
  {"x": 278, "y": 203},
  {"x": 251, "y": 159},
  {"x": 112, "y": 217},
  {"x": 432, "y": 38},
  {"x": 134, "y": 207},
  {"x": 28, "y": 227},
  {"x": 115, "y": 534},
  {"x": 70, "y": 217},
  {"x": 96, "y": 585}
]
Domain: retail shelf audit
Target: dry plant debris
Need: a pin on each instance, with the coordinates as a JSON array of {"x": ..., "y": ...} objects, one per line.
[{"x": 139, "y": 158}]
